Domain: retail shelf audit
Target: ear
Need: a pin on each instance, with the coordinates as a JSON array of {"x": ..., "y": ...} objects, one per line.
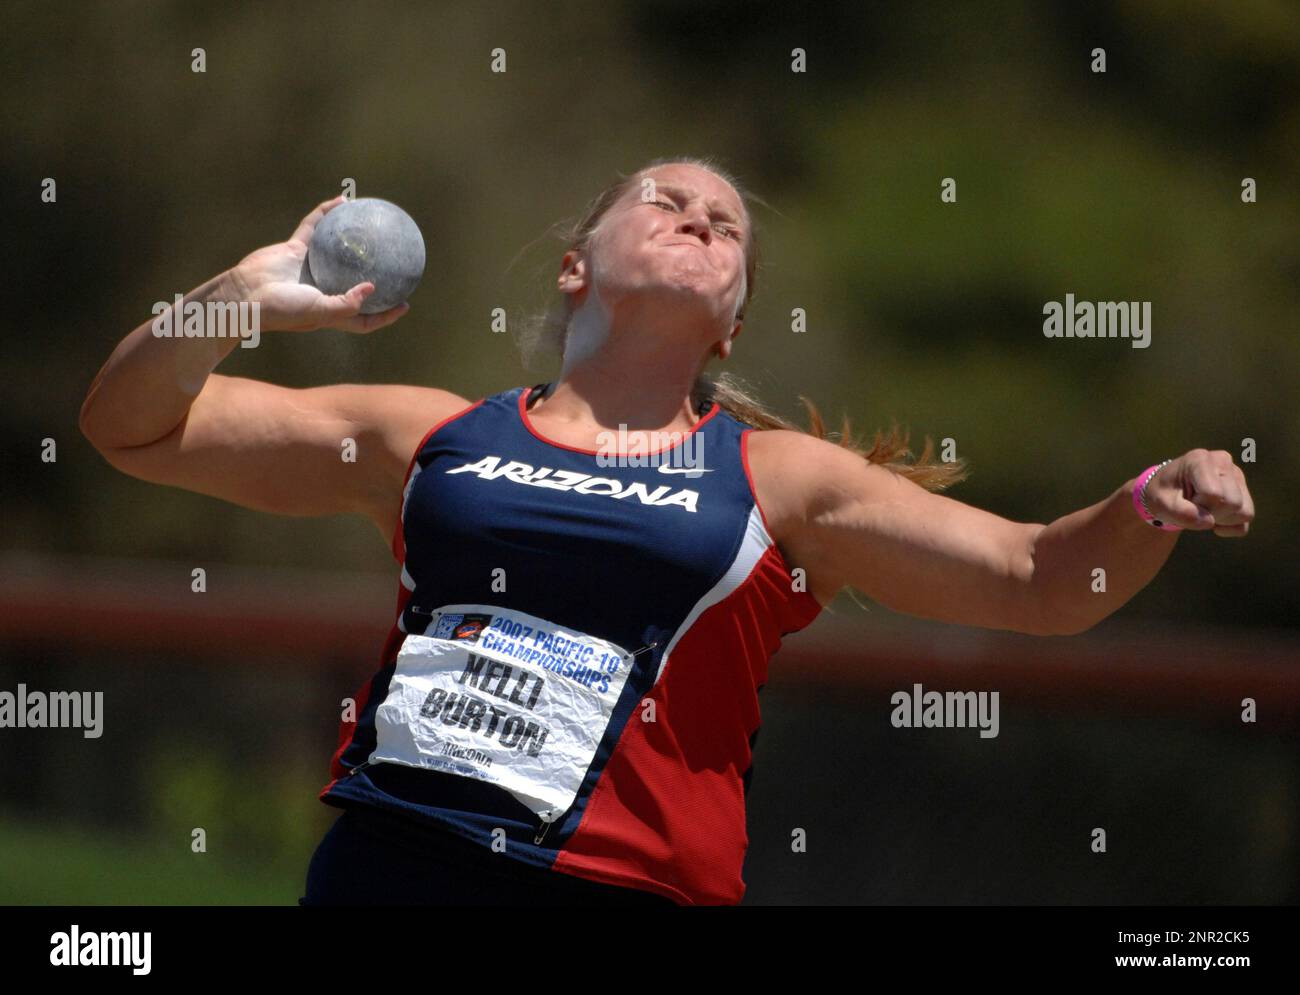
[
  {"x": 573, "y": 272},
  {"x": 722, "y": 349}
]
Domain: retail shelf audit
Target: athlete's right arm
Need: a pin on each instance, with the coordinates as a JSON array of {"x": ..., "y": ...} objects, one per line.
[{"x": 157, "y": 412}]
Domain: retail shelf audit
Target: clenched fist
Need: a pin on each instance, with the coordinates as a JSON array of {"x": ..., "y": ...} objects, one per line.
[{"x": 1201, "y": 490}]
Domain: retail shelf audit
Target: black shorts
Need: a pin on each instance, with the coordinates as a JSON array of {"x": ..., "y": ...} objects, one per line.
[{"x": 372, "y": 857}]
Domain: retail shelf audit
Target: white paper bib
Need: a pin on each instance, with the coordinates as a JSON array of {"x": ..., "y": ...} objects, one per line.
[{"x": 504, "y": 697}]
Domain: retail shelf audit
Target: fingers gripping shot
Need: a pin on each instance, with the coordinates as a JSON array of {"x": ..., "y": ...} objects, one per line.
[{"x": 584, "y": 731}]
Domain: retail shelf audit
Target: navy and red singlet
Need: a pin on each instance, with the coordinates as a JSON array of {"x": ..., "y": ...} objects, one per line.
[{"x": 575, "y": 663}]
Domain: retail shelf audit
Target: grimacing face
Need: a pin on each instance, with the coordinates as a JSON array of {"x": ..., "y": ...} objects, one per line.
[{"x": 679, "y": 231}]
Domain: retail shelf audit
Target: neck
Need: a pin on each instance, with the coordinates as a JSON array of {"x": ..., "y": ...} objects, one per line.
[
  {"x": 589, "y": 396},
  {"x": 624, "y": 370}
]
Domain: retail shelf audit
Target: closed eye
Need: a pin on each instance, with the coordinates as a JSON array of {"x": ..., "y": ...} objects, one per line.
[{"x": 725, "y": 229}]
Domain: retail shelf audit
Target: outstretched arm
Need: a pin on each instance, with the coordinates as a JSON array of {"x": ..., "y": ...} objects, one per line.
[
  {"x": 1200, "y": 490},
  {"x": 854, "y": 523}
]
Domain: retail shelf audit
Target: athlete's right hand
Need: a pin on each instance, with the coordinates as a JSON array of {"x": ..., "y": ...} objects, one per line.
[{"x": 271, "y": 276}]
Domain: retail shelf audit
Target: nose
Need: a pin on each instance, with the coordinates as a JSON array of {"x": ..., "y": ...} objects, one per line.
[{"x": 698, "y": 224}]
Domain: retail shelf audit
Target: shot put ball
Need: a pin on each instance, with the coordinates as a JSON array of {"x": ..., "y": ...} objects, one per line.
[{"x": 367, "y": 239}]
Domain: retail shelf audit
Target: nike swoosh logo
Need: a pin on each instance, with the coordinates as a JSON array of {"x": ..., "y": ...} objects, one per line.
[{"x": 664, "y": 468}]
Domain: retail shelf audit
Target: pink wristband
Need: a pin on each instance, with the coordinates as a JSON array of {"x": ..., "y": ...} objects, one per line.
[{"x": 1139, "y": 498}]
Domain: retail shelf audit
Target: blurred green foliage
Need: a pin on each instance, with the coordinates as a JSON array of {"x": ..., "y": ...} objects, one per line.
[
  {"x": 61, "y": 865},
  {"x": 262, "y": 809},
  {"x": 1116, "y": 186}
]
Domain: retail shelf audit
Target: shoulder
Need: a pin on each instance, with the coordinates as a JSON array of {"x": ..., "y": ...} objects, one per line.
[
  {"x": 386, "y": 405},
  {"x": 396, "y": 418},
  {"x": 807, "y": 490},
  {"x": 802, "y": 482},
  {"x": 402, "y": 415},
  {"x": 787, "y": 471},
  {"x": 779, "y": 444},
  {"x": 801, "y": 474}
]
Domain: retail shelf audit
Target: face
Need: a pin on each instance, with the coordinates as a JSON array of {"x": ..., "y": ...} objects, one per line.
[{"x": 678, "y": 233}]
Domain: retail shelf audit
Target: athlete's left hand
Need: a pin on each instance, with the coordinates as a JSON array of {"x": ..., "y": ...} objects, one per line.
[{"x": 1203, "y": 490}]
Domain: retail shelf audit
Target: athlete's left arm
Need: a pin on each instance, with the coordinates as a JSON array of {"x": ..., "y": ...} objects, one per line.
[{"x": 928, "y": 555}]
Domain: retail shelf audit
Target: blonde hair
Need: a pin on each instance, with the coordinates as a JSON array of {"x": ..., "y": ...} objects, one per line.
[{"x": 542, "y": 338}]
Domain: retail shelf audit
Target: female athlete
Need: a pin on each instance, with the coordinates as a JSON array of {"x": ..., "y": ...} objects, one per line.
[{"x": 595, "y": 571}]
